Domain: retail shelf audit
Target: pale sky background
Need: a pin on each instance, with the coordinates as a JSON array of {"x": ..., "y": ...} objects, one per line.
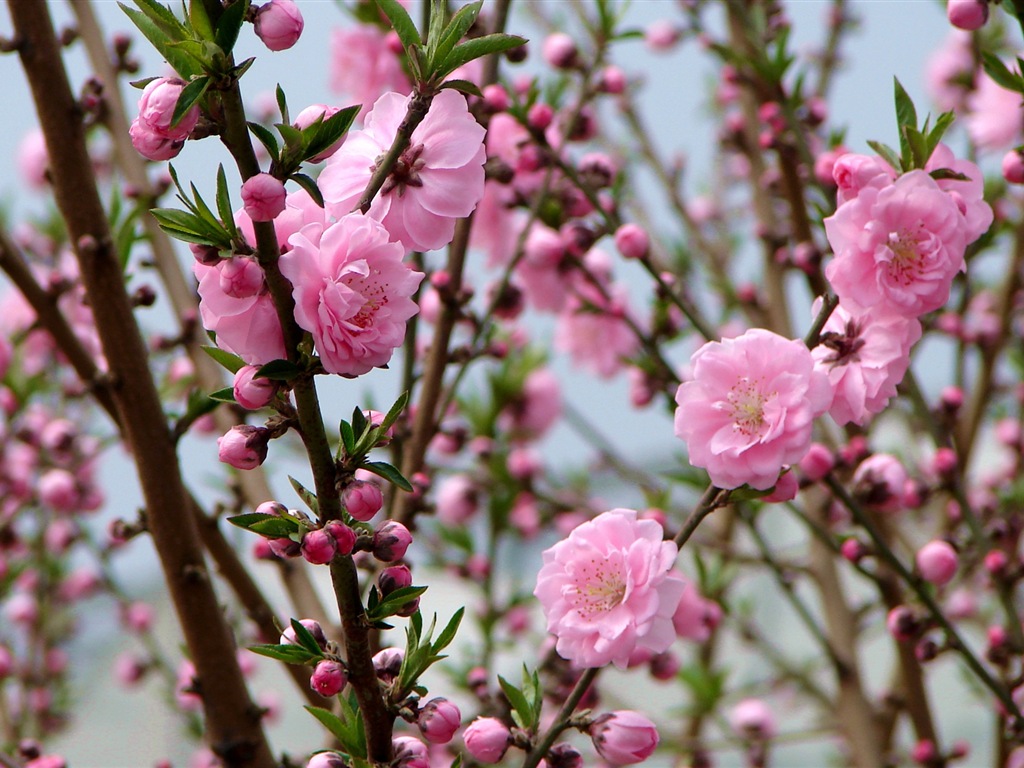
[{"x": 117, "y": 729}]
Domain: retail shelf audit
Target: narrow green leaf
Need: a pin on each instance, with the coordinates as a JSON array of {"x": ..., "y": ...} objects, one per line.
[
  {"x": 998, "y": 71},
  {"x": 435, "y": 25},
  {"x": 330, "y": 130},
  {"x": 389, "y": 473},
  {"x": 474, "y": 49},
  {"x": 306, "y": 639},
  {"x": 396, "y": 410},
  {"x": 199, "y": 19},
  {"x": 292, "y": 136},
  {"x": 230, "y": 24},
  {"x": 448, "y": 633},
  {"x": 180, "y": 63},
  {"x": 348, "y": 439},
  {"x": 290, "y": 654},
  {"x": 941, "y": 126},
  {"x": 185, "y": 222},
  {"x": 403, "y": 25},
  {"x": 267, "y": 139},
  {"x": 941, "y": 174},
  {"x": 282, "y": 104},
  {"x": 906, "y": 116},
  {"x": 241, "y": 68},
  {"x": 346, "y": 733},
  {"x": 165, "y": 21},
  {"x": 394, "y": 602},
  {"x": 522, "y": 712},
  {"x": 232, "y": 362},
  {"x": 271, "y": 526},
  {"x": 310, "y": 186},
  {"x": 225, "y": 395},
  {"x": 918, "y": 146},
  {"x": 204, "y": 212},
  {"x": 456, "y": 30},
  {"x": 224, "y": 203},
  {"x": 888, "y": 154},
  {"x": 359, "y": 423},
  {"x": 278, "y": 370},
  {"x": 307, "y": 496},
  {"x": 467, "y": 87}
]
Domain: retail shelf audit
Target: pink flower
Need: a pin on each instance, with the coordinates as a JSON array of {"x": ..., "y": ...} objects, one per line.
[
  {"x": 279, "y": 24},
  {"x": 299, "y": 211},
  {"x": 880, "y": 482},
  {"x": 752, "y": 719},
  {"x": 537, "y": 407},
  {"x": 592, "y": 329},
  {"x": 352, "y": 292},
  {"x": 34, "y": 159},
  {"x": 968, "y": 194},
  {"x": 949, "y": 73},
  {"x": 898, "y": 248},
  {"x": 456, "y": 500},
  {"x": 750, "y": 407},
  {"x": 994, "y": 115},
  {"x": 242, "y": 316},
  {"x": 152, "y": 134},
  {"x": 624, "y": 737},
  {"x": 865, "y": 357},
  {"x": 438, "y": 179},
  {"x": 364, "y": 66},
  {"x": 852, "y": 173},
  {"x": 243, "y": 446},
  {"x": 263, "y": 197},
  {"x": 609, "y": 589},
  {"x": 632, "y": 241}
]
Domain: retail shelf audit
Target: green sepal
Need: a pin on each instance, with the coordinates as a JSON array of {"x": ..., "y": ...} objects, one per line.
[{"x": 308, "y": 184}]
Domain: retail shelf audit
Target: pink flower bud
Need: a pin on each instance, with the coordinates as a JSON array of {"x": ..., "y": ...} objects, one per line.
[
  {"x": 880, "y": 481},
  {"x": 308, "y": 116},
  {"x": 410, "y": 753},
  {"x": 313, "y": 627},
  {"x": 817, "y": 462},
  {"x": 785, "y": 489},
  {"x": 6, "y": 662},
  {"x": 252, "y": 393},
  {"x": 387, "y": 663},
  {"x": 486, "y": 739},
  {"x": 852, "y": 550},
  {"x": 924, "y": 752},
  {"x": 752, "y": 719},
  {"x": 496, "y": 98},
  {"x": 967, "y": 14},
  {"x": 344, "y": 537},
  {"x": 285, "y": 548},
  {"x": 319, "y": 547},
  {"x": 439, "y": 719},
  {"x": 559, "y": 50},
  {"x": 665, "y": 666},
  {"x": 540, "y": 116},
  {"x": 59, "y": 490},
  {"x": 22, "y": 608},
  {"x": 902, "y": 624},
  {"x": 279, "y": 24},
  {"x": 326, "y": 760},
  {"x": 1013, "y": 167},
  {"x": 944, "y": 462},
  {"x": 612, "y": 80},
  {"x": 995, "y": 561},
  {"x": 362, "y": 499},
  {"x": 263, "y": 197},
  {"x": 151, "y": 132},
  {"x": 624, "y": 737},
  {"x": 632, "y": 241},
  {"x": 390, "y": 541},
  {"x": 138, "y": 617},
  {"x": 243, "y": 446},
  {"x": 328, "y": 678},
  {"x": 240, "y": 278},
  {"x": 937, "y": 562},
  {"x": 393, "y": 578},
  {"x": 564, "y": 755},
  {"x": 661, "y": 35}
]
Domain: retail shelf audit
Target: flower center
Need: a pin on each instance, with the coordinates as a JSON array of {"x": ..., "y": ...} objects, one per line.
[
  {"x": 597, "y": 588},
  {"x": 406, "y": 171},
  {"x": 845, "y": 346},
  {"x": 905, "y": 265},
  {"x": 747, "y": 401}
]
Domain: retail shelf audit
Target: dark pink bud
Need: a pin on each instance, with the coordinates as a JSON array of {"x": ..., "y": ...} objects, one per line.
[
  {"x": 393, "y": 578},
  {"x": 328, "y": 678},
  {"x": 263, "y": 197},
  {"x": 344, "y": 537},
  {"x": 279, "y": 24},
  {"x": 945, "y": 461},
  {"x": 967, "y": 14},
  {"x": 387, "y": 663},
  {"x": 564, "y": 755},
  {"x": 665, "y": 666},
  {"x": 902, "y": 624},
  {"x": 390, "y": 541},
  {"x": 206, "y": 255},
  {"x": 785, "y": 489},
  {"x": 996, "y": 562},
  {"x": 624, "y": 737},
  {"x": 1013, "y": 167},
  {"x": 937, "y": 562},
  {"x": 496, "y": 98},
  {"x": 410, "y": 753},
  {"x": 243, "y": 446},
  {"x": 924, "y": 752},
  {"x": 486, "y": 739},
  {"x": 852, "y": 550},
  {"x": 327, "y": 760},
  {"x": 540, "y": 116},
  {"x": 252, "y": 393},
  {"x": 817, "y": 462},
  {"x": 952, "y": 398},
  {"x": 632, "y": 241},
  {"x": 611, "y": 80},
  {"x": 362, "y": 499},
  {"x": 319, "y": 547},
  {"x": 559, "y": 50},
  {"x": 439, "y": 719},
  {"x": 59, "y": 490}
]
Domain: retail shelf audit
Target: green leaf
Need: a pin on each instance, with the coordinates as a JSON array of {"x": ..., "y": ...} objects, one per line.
[
  {"x": 181, "y": 63},
  {"x": 906, "y": 117},
  {"x": 474, "y": 49},
  {"x": 232, "y": 362},
  {"x": 522, "y": 712},
  {"x": 455, "y": 31},
  {"x": 435, "y": 25},
  {"x": 204, "y": 212},
  {"x": 225, "y": 395},
  {"x": 448, "y": 633},
  {"x": 393, "y": 603},
  {"x": 998, "y": 71},
  {"x": 941, "y": 174},
  {"x": 278, "y": 370},
  {"x": 941, "y": 126},
  {"x": 348, "y": 439},
  {"x": 888, "y": 154},
  {"x": 230, "y": 24},
  {"x": 307, "y": 496},
  {"x": 918, "y": 146},
  {"x": 290, "y": 654},
  {"x": 164, "y": 20},
  {"x": 359, "y": 423},
  {"x": 403, "y": 25},
  {"x": 271, "y": 526},
  {"x": 282, "y": 103},
  {"x": 463, "y": 86},
  {"x": 306, "y": 639},
  {"x": 389, "y": 473},
  {"x": 224, "y": 203},
  {"x": 267, "y": 139},
  {"x": 396, "y": 410},
  {"x": 310, "y": 186},
  {"x": 189, "y": 227},
  {"x": 199, "y": 19},
  {"x": 330, "y": 130}
]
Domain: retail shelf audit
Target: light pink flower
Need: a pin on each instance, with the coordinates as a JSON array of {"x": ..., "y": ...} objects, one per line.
[
  {"x": 438, "y": 179},
  {"x": 537, "y": 408},
  {"x": 852, "y": 173},
  {"x": 994, "y": 120},
  {"x": 865, "y": 357},
  {"x": 593, "y": 330},
  {"x": 880, "y": 482},
  {"x": 695, "y": 616},
  {"x": 609, "y": 589},
  {"x": 457, "y": 500},
  {"x": 364, "y": 66},
  {"x": 949, "y": 73},
  {"x": 899, "y": 247},
  {"x": 242, "y": 316},
  {"x": 300, "y": 210},
  {"x": 352, "y": 292},
  {"x": 750, "y": 407}
]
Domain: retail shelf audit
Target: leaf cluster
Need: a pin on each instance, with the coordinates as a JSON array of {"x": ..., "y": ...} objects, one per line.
[
  {"x": 916, "y": 144},
  {"x": 199, "y": 224},
  {"x": 422, "y": 652}
]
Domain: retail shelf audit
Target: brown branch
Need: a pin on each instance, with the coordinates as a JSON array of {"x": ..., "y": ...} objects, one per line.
[{"x": 233, "y": 722}]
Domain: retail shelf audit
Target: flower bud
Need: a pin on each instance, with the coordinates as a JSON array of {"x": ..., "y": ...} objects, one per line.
[
  {"x": 967, "y": 14},
  {"x": 263, "y": 197},
  {"x": 785, "y": 489},
  {"x": 410, "y": 753},
  {"x": 632, "y": 241},
  {"x": 853, "y": 550},
  {"x": 328, "y": 678},
  {"x": 151, "y": 132},
  {"x": 661, "y": 35},
  {"x": 243, "y": 446},
  {"x": 564, "y": 755},
  {"x": 752, "y": 719},
  {"x": 319, "y": 547},
  {"x": 937, "y": 562},
  {"x": 326, "y": 760},
  {"x": 279, "y": 24},
  {"x": 902, "y": 624},
  {"x": 540, "y": 116},
  {"x": 313, "y": 627},
  {"x": 362, "y": 499},
  {"x": 387, "y": 663},
  {"x": 486, "y": 739},
  {"x": 1013, "y": 167},
  {"x": 611, "y": 79},
  {"x": 344, "y": 537},
  {"x": 308, "y": 116},
  {"x": 496, "y": 98},
  {"x": 559, "y": 50},
  {"x": 880, "y": 481},
  {"x": 817, "y": 462},
  {"x": 390, "y": 541},
  {"x": 439, "y": 719},
  {"x": 624, "y": 737},
  {"x": 393, "y": 578},
  {"x": 252, "y": 393},
  {"x": 285, "y": 548}
]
